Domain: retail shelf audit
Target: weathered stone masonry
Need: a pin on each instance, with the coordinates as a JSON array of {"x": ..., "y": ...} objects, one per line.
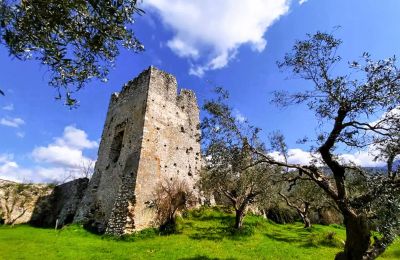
[{"x": 150, "y": 134}]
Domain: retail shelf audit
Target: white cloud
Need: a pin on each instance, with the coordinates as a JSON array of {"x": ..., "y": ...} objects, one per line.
[
  {"x": 9, "y": 107},
  {"x": 296, "y": 156},
  {"x": 360, "y": 158},
  {"x": 182, "y": 49},
  {"x": 10, "y": 170},
  {"x": 61, "y": 160},
  {"x": 302, "y": 2},
  {"x": 75, "y": 138},
  {"x": 59, "y": 155},
  {"x": 209, "y": 33},
  {"x": 66, "y": 151},
  {"x": 12, "y": 122}
]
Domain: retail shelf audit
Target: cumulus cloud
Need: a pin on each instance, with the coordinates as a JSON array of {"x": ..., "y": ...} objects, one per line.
[
  {"x": 363, "y": 158},
  {"x": 59, "y": 155},
  {"x": 209, "y": 33},
  {"x": 12, "y": 171},
  {"x": 12, "y": 122},
  {"x": 58, "y": 161},
  {"x": 65, "y": 151},
  {"x": 75, "y": 138}
]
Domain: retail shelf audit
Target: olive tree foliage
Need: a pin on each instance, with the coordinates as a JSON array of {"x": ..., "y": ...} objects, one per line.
[
  {"x": 229, "y": 162},
  {"x": 76, "y": 40},
  {"x": 348, "y": 106}
]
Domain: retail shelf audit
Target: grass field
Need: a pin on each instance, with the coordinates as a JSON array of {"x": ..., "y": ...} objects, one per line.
[{"x": 202, "y": 235}]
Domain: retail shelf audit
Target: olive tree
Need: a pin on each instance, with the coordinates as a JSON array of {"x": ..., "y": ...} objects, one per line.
[
  {"x": 349, "y": 106},
  {"x": 230, "y": 168},
  {"x": 76, "y": 40}
]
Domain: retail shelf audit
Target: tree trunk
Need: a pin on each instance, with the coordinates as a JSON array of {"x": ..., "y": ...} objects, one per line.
[
  {"x": 357, "y": 238},
  {"x": 306, "y": 221},
  {"x": 239, "y": 215}
]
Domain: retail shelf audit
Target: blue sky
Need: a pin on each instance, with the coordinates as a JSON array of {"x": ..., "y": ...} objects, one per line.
[{"x": 229, "y": 43}]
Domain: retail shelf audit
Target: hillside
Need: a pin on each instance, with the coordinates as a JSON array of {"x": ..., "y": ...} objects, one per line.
[{"x": 202, "y": 235}]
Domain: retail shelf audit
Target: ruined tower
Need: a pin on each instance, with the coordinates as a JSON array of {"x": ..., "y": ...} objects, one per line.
[{"x": 150, "y": 134}]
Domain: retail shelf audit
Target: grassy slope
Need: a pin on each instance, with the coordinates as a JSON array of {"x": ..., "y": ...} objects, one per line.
[{"x": 203, "y": 235}]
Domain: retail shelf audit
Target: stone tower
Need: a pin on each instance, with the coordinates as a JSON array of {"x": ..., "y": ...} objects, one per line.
[{"x": 150, "y": 134}]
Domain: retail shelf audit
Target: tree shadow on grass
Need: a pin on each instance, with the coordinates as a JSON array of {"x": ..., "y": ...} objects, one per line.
[
  {"x": 395, "y": 253},
  {"x": 219, "y": 233},
  {"x": 223, "y": 230},
  {"x": 283, "y": 237},
  {"x": 209, "y": 233},
  {"x": 203, "y": 257},
  {"x": 306, "y": 238}
]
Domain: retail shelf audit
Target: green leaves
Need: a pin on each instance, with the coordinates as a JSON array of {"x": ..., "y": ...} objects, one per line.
[{"x": 77, "y": 40}]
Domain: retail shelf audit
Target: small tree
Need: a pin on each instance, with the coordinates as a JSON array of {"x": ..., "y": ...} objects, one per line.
[
  {"x": 346, "y": 103},
  {"x": 303, "y": 195},
  {"x": 302, "y": 207},
  {"x": 171, "y": 197},
  {"x": 229, "y": 162}
]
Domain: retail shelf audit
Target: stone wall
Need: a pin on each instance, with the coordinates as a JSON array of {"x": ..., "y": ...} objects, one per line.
[
  {"x": 40, "y": 204},
  {"x": 18, "y": 200},
  {"x": 150, "y": 134},
  {"x": 60, "y": 205}
]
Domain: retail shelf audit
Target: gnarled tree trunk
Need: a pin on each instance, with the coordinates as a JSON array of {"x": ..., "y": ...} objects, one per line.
[
  {"x": 239, "y": 215},
  {"x": 357, "y": 238},
  {"x": 306, "y": 220}
]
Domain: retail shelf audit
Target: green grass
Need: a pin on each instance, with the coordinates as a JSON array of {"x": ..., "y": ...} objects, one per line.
[{"x": 203, "y": 234}]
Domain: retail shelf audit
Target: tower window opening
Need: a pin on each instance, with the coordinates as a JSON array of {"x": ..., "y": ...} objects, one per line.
[{"x": 116, "y": 146}]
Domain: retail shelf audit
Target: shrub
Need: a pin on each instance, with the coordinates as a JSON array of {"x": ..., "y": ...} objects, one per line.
[
  {"x": 171, "y": 197},
  {"x": 282, "y": 215}
]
